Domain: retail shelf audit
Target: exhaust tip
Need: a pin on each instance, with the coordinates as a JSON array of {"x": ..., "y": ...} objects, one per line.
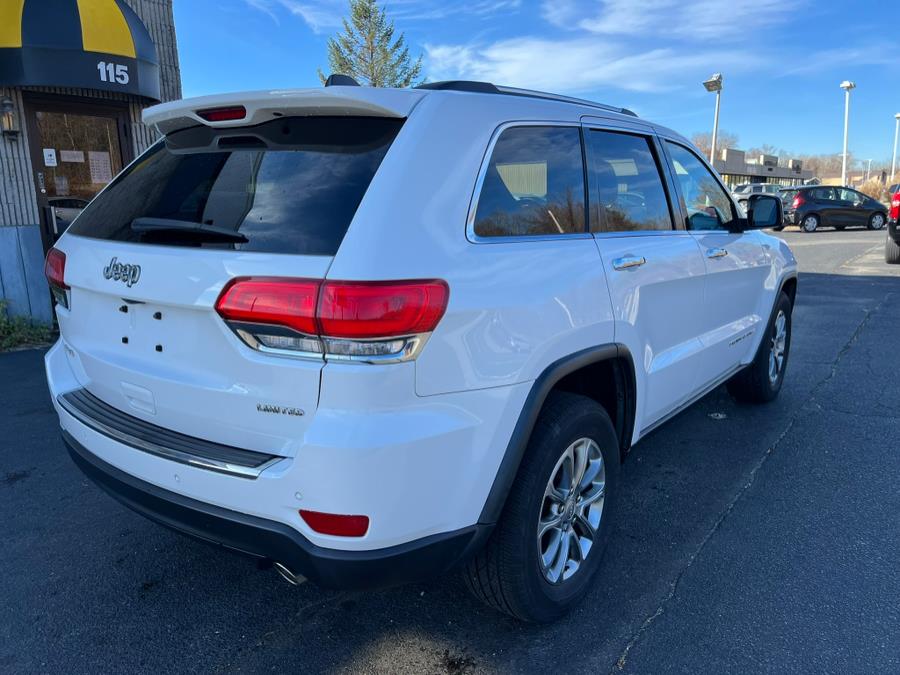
[{"x": 289, "y": 576}]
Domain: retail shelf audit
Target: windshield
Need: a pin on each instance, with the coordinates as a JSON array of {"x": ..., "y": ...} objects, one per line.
[{"x": 287, "y": 186}]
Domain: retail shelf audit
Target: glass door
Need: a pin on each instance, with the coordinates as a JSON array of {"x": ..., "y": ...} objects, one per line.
[{"x": 76, "y": 149}]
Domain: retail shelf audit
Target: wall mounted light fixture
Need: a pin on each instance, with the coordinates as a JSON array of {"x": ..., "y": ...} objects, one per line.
[{"x": 9, "y": 118}]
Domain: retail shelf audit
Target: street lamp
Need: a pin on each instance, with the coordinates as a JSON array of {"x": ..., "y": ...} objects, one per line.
[
  {"x": 894, "y": 160},
  {"x": 714, "y": 83},
  {"x": 868, "y": 168},
  {"x": 846, "y": 85}
]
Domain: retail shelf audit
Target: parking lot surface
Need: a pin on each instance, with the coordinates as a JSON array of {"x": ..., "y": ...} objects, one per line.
[{"x": 749, "y": 539}]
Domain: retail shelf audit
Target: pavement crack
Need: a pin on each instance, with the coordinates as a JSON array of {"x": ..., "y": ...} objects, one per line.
[{"x": 800, "y": 410}]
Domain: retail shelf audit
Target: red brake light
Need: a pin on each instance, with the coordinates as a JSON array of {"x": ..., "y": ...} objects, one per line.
[
  {"x": 798, "y": 202},
  {"x": 375, "y": 309},
  {"x": 55, "y": 268},
  {"x": 271, "y": 300},
  {"x": 237, "y": 112},
  {"x": 334, "y": 524},
  {"x": 895, "y": 207}
]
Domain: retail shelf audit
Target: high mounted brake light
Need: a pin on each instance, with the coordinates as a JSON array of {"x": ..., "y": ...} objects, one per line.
[
  {"x": 354, "y": 320},
  {"x": 232, "y": 113}
]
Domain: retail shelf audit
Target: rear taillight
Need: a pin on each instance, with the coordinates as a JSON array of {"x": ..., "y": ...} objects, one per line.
[
  {"x": 895, "y": 208},
  {"x": 798, "y": 202},
  {"x": 55, "y": 271},
  {"x": 230, "y": 114},
  {"x": 369, "y": 321},
  {"x": 336, "y": 524}
]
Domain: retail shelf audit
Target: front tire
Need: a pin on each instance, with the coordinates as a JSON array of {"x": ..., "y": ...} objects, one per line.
[
  {"x": 877, "y": 221},
  {"x": 761, "y": 381},
  {"x": 810, "y": 223},
  {"x": 547, "y": 546}
]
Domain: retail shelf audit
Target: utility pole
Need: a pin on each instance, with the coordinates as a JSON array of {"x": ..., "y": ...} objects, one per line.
[{"x": 846, "y": 85}]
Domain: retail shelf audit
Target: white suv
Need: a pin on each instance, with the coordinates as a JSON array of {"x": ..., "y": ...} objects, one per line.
[{"x": 371, "y": 335}]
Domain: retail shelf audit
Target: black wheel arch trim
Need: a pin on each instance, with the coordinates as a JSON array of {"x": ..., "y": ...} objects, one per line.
[{"x": 540, "y": 389}]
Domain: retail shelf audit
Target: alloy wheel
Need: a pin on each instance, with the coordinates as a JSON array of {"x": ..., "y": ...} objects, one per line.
[
  {"x": 571, "y": 510},
  {"x": 778, "y": 347}
]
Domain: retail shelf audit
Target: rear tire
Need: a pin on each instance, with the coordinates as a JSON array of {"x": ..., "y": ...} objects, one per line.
[
  {"x": 891, "y": 252},
  {"x": 877, "y": 221},
  {"x": 514, "y": 573},
  {"x": 810, "y": 223},
  {"x": 761, "y": 381}
]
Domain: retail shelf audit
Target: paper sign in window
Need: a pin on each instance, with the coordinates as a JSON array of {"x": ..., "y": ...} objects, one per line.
[{"x": 101, "y": 167}]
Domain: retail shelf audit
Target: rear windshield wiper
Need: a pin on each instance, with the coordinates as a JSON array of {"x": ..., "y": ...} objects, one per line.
[{"x": 185, "y": 229}]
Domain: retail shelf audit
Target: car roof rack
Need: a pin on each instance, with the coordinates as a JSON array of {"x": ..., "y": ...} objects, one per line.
[{"x": 476, "y": 87}]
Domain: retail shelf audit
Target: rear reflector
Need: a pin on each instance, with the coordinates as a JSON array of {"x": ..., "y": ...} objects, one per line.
[
  {"x": 376, "y": 309},
  {"x": 238, "y": 112},
  {"x": 335, "y": 524}
]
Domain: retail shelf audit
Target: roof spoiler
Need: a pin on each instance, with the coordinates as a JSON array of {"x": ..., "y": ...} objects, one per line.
[{"x": 250, "y": 108}]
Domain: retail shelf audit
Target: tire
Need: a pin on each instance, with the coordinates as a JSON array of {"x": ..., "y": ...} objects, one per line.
[
  {"x": 508, "y": 573},
  {"x": 876, "y": 221},
  {"x": 755, "y": 383},
  {"x": 810, "y": 223},
  {"x": 891, "y": 252}
]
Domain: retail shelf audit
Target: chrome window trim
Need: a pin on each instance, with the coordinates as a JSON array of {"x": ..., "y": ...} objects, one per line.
[{"x": 482, "y": 172}]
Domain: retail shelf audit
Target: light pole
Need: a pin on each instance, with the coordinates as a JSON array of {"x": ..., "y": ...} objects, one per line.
[
  {"x": 894, "y": 160},
  {"x": 846, "y": 85},
  {"x": 868, "y": 168},
  {"x": 714, "y": 83}
]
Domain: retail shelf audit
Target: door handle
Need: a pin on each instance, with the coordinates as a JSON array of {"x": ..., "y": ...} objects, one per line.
[
  {"x": 716, "y": 252},
  {"x": 625, "y": 262}
]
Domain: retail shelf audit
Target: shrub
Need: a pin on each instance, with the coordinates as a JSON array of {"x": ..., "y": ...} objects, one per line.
[{"x": 18, "y": 331}]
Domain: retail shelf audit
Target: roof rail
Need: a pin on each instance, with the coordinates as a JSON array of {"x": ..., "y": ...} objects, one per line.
[{"x": 488, "y": 88}]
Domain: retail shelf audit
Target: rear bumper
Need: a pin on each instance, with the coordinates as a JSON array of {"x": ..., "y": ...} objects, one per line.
[{"x": 413, "y": 561}]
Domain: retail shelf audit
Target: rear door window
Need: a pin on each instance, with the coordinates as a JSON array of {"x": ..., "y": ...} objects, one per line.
[
  {"x": 533, "y": 185},
  {"x": 627, "y": 186},
  {"x": 287, "y": 186}
]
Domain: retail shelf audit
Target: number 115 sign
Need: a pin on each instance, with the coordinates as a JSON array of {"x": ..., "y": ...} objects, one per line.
[{"x": 113, "y": 72}]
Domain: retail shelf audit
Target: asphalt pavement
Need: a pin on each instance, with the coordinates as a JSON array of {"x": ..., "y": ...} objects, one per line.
[{"x": 750, "y": 539}]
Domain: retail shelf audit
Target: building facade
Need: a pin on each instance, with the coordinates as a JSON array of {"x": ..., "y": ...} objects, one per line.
[
  {"x": 736, "y": 167},
  {"x": 75, "y": 76}
]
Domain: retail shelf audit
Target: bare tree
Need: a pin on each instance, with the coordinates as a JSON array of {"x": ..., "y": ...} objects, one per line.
[{"x": 724, "y": 139}]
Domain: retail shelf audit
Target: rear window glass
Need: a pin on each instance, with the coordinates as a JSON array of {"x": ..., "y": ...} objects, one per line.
[
  {"x": 788, "y": 195},
  {"x": 287, "y": 186},
  {"x": 534, "y": 184}
]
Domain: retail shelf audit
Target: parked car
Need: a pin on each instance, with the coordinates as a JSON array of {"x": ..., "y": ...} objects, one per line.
[
  {"x": 66, "y": 209},
  {"x": 742, "y": 192},
  {"x": 815, "y": 206},
  {"x": 346, "y": 333},
  {"x": 892, "y": 243}
]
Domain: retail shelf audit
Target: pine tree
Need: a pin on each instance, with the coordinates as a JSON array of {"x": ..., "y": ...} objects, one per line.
[{"x": 367, "y": 51}]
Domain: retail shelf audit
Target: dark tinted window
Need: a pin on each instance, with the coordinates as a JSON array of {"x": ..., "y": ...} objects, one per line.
[
  {"x": 709, "y": 206},
  {"x": 534, "y": 184},
  {"x": 289, "y": 186},
  {"x": 627, "y": 184},
  {"x": 823, "y": 194}
]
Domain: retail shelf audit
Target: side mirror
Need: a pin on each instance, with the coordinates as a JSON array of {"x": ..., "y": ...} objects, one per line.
[{"x": 764, "y": 211}]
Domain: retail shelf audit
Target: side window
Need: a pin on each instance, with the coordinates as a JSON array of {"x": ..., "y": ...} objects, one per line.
[
  {"x": 824, "y": 194},
  {"x": 534, "y": 184},
  {"x": 626, "y": 184},
  {"x": 851, "y": 196},
  {"x": 708, "y": 205}
]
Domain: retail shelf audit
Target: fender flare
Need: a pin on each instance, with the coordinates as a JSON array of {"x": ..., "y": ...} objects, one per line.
[{"x": 540, "y": 389}]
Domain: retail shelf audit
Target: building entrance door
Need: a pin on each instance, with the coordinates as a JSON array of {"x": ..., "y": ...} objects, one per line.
[{"x": 76, "y": 149}]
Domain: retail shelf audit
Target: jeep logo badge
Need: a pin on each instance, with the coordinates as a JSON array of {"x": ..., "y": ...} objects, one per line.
[{"x": 121, "y": 272}]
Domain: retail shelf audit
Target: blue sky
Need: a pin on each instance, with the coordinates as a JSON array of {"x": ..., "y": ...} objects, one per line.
[{"x": 782, "y": 60}]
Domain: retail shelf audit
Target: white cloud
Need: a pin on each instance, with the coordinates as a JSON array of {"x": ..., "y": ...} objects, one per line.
[
  {"x": 683, "y": 19},
  {"x": 577, "y": 65},
  {"x": 319, "y": 15}
]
